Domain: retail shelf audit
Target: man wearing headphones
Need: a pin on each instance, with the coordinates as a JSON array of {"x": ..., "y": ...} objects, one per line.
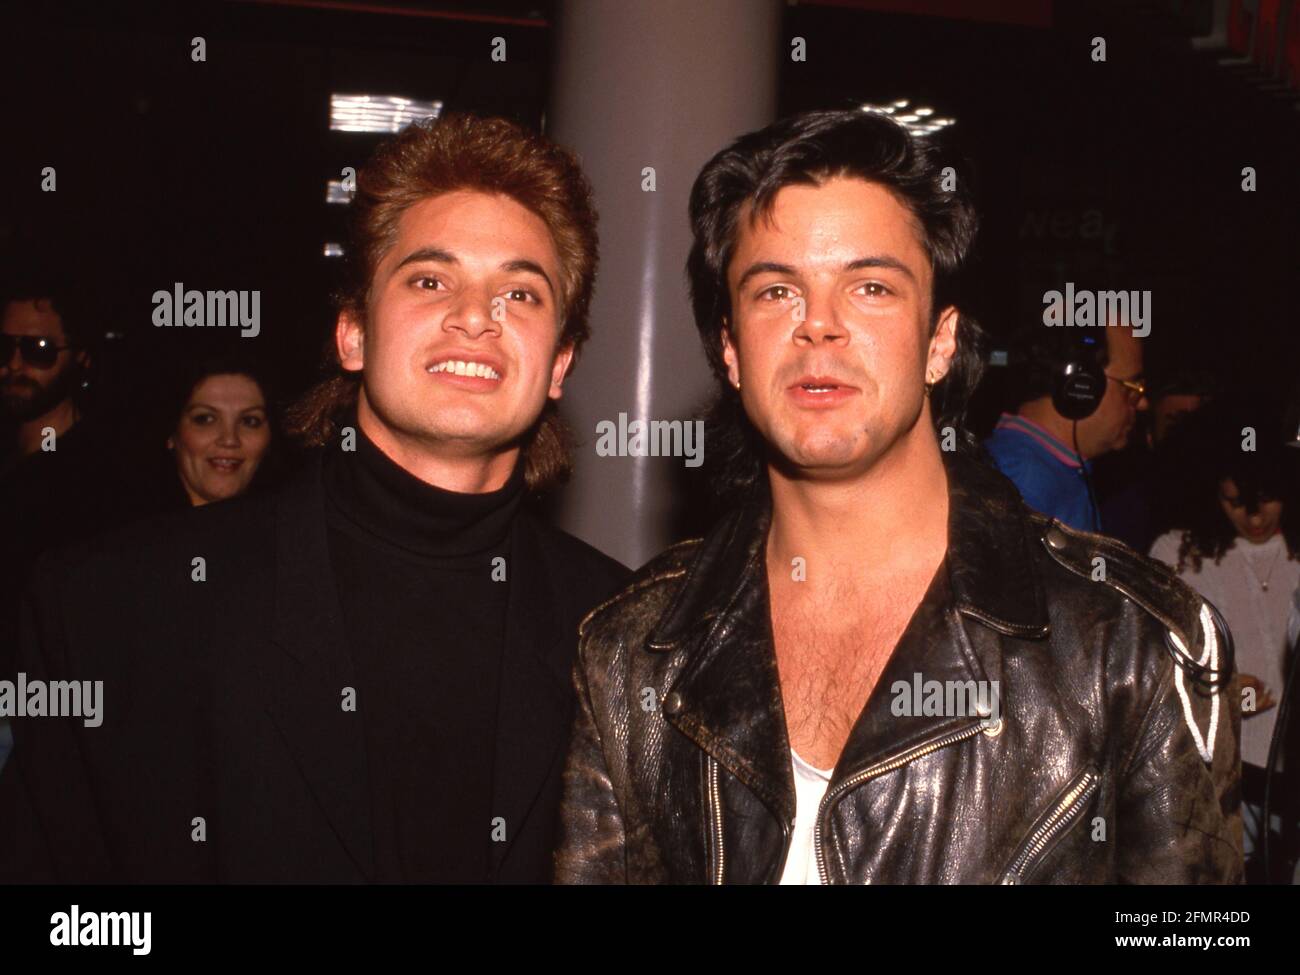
[{"x": 1080, "y": 393}]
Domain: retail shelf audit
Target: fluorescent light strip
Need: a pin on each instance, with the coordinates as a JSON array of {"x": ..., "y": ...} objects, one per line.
[
  {"x": 378, "y": 113},
  {"x": 336, "y": 193}
]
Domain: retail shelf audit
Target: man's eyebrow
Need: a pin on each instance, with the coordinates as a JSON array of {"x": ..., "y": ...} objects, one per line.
[
  {"x": 529, "y": 267},
  {"x": 441, "y": 256},
  {"x": 427, "y": 254},
  {"x": 763, "y": 267},
  {"x": 881, "y": 260}
]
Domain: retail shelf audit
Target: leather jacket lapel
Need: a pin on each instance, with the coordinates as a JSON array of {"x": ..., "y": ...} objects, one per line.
[
  {"x": 897, "y": 717},
  {"x": 991, "y": 552},
  {"x": 728, "y": 696},
  {"x": 982, "y": 578}
]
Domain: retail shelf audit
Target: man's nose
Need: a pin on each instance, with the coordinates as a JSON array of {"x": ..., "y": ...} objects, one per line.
[
  {"x": 473, "y": 315},
  {"x": 820, "y": 322}
]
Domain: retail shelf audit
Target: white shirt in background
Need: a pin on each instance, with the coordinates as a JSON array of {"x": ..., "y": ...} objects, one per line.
[
  {"x": 810, "y": 785},
  {"x": 1257, "y": 618}
]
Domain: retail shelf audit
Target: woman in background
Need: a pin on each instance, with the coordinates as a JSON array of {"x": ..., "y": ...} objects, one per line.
[
  {"x": 1241, "y": 551},
  {"x": 221, "y": 434}
]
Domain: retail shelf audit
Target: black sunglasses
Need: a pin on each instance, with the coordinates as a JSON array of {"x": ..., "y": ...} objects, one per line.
[{"x": 36, "y": 350}]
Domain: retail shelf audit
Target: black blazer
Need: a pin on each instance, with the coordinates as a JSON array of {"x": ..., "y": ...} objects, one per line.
[{"x": 221, "y": 704}]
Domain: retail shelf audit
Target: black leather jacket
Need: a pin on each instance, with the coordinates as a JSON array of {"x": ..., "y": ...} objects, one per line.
[{"x": 679, "y": 770}]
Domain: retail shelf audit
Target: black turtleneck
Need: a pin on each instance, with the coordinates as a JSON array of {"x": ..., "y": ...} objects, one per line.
[{"x": 426, "y": 624}]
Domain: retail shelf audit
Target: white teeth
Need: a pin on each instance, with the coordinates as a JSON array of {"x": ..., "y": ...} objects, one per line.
[{"x": 460, "y": 367}]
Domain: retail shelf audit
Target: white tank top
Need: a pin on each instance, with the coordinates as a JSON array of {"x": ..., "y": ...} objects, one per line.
[{"x": 809, "y": 787}]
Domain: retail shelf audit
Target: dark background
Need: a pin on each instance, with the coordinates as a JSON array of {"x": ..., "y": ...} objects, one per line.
[{"x": 213, "y": 174}]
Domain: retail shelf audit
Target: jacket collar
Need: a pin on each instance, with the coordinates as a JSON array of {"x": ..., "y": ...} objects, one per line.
[
  {"x": 329, "y": 745},
  {"x": 991, "y": 551},
  {"x": 729, "y": 699},
  {"x": 990, "y": 558}
]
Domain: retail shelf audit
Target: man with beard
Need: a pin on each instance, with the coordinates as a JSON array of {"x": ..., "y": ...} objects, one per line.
[
  {"x": 41, "y": 365},
  {"x": 880, "y": 666},
  {"x": 362, "y": 676},
  {"x": 57, "y": 480}
]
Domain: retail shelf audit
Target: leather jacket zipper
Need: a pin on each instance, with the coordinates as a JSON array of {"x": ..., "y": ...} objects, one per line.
[
  {"x": 880, "y": 768},
  {"x": 715, "y": 821},
  {"x": 1058, "y": 820}
]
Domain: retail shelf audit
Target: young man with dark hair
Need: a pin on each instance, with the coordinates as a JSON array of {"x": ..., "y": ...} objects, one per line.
[
  {"x": 880, "y": 666},
  {"x": 363, "y": 676}
]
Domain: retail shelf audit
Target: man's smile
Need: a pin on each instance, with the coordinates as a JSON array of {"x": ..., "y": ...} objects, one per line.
[{"x": 476, "y": 373}]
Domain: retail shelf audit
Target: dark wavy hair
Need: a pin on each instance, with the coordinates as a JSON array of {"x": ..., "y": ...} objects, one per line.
[
  {"x": 31, "y": 279},
  {"x": 464, "y": 152},
  {"x": 810, "y": 149},
  {"x": 1208, "y": 445}
]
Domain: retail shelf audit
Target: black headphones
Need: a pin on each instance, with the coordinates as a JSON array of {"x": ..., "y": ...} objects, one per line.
[{"x": 1078, "y": 383}]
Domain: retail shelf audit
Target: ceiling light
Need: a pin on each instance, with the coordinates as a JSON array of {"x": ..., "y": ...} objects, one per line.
[
  {"x": 336, "y": 192},
  {"x": 378, "y": 113}
]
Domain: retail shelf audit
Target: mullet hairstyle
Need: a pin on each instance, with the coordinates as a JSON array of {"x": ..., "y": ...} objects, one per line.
[
  {"x": 808, "y": 150},
  {"x": 442, "y": 155}
]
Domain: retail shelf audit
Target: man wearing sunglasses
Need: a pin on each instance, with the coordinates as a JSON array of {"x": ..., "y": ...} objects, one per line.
[
  {"x": 42, "y": 366},
  {"x": 1048, "y": 455}
]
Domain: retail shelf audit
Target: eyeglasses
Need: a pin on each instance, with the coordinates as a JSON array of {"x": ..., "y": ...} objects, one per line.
[
  {"x": 1136, "y": 387},
  {"x": 36, "y": 350}
]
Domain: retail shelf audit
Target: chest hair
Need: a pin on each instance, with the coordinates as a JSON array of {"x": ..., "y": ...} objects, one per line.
[{"x": 832, "y": 644}]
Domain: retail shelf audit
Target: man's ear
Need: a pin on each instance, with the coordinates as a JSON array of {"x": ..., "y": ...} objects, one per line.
[
  {"x": 943, "y": 345},
  {"x": 349, "y": 342},
  {"x": 729, "y": 355},
  {"x": 560, "y": 368}
]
